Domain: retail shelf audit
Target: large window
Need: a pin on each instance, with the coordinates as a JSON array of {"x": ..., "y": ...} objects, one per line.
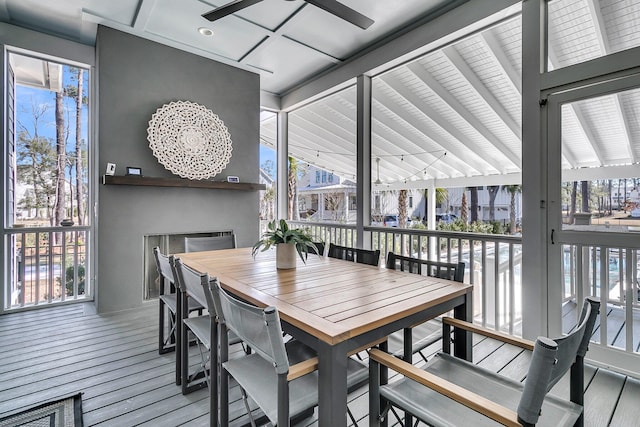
[
  {"x": 47, "y": 195},
  {"x": 268, "y": 165},
  {"x": 322, "y": 150}
]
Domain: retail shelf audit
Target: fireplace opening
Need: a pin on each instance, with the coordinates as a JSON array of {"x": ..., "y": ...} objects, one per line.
[{"x": 168, "y": 244}]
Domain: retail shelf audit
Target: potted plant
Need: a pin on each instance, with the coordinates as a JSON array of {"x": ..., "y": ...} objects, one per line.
[{"x": 288, "y": 242}]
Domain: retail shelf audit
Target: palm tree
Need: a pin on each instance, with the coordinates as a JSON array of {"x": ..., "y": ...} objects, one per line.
[
  {"x": 292, "y": 185},
  {"x": 464, "y": 214},
  {"x": 512, "y": 190}
]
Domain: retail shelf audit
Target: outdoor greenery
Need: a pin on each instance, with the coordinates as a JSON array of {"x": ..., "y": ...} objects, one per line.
[
  {"x": 280, "y": 233},
  {"x": 51, "y": 169}
]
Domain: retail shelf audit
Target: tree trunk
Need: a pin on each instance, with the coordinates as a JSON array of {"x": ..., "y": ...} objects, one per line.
[
  {"x": 493, "y": 192},
  {"x": 585, "y": 196},
  {"x": 59, "y": 206},
  {"x": 574, "y": 196},
  {"x": 79, "y": 189},
  {"x": 474, "y": 203},
  {"x": 292, "y": 183},
  {"x": 464, "y": 215},
  {"x": 402, "y": 208}
]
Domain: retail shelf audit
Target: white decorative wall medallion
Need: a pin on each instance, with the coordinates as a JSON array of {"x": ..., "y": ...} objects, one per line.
[{"x": 189, "y": 140}]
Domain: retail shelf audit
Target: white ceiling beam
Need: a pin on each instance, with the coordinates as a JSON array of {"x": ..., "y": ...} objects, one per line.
[
  {"x": 272, "y": 36},
  {"x": 602, "y": 172},
  {"x": 404, "y": 140},
  {"x": 393, "y": 163},
  {"x": 421, "y": 73},
  {"x": 582, "y": 122},
  {"x": 470, "y": 155},
  {"x": 501, "y": 59},
  {"x": 305, "y": 150},
  {"x": 588, "y": 133},
  {"x": 421, "y": 128},
  {"x": 605, "y": 46},
  {"x": 458, "y": 62},
  {"x": 458, "y": 182},
  {"x": 316, "y": 141},
  {"x": 143, "y": 12},
  {"x": 470, "y": 16},
  {"x": 325, "y": 126}
]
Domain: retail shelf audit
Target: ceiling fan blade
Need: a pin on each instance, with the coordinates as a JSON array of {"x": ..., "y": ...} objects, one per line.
[
  {"x": 229, "y": 8},
  {"x": 340, "y": 10}
]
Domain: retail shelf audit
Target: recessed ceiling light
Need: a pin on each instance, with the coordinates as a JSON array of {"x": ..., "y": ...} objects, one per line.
[{"x": 205, "y": 31}]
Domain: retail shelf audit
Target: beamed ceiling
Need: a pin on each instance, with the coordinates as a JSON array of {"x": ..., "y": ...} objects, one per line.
[
  {"x": 449, "y": 114},
  {"x": 453, "y": 116}
]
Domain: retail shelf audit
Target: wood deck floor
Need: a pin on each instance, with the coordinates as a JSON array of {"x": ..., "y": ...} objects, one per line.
[{"x": 113, "y": 360}]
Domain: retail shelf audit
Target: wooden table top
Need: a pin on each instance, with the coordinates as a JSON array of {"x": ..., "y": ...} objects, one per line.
[{"x": 332, "y": 299}]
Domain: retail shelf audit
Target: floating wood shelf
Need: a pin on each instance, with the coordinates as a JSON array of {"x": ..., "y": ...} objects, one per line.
[{"x": 179, "y": 182}]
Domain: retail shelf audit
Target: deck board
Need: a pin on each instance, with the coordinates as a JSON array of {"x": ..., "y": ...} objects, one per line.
[
  {"x": 628, "y": 411},
  {"x": 601, "y": 398},
  {"x": 113, "y": 360}
]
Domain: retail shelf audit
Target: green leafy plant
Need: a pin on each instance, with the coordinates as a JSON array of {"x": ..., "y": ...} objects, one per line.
[{"x": 279, "y": 232}]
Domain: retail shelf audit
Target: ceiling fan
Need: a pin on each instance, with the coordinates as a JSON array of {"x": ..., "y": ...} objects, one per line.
[{"x": 332, "y": 6}]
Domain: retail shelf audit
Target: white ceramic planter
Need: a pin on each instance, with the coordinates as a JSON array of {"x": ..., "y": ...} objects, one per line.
[{"x": 286, "y": 256}]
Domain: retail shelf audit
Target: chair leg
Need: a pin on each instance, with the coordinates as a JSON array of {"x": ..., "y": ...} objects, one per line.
[{"x": 162, "y": 341}]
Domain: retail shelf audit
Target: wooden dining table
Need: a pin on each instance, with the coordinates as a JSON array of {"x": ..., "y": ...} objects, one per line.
[{"x": 336, "y": 307}]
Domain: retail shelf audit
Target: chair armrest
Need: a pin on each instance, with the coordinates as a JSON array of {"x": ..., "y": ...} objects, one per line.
[
  {"x": 303, "y": 368},
  {"x": 465, "y": 397},
  {"x": 519, "y": 342}
]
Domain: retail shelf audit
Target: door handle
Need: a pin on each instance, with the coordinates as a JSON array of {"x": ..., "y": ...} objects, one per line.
[{"x": 552, "y": 233}]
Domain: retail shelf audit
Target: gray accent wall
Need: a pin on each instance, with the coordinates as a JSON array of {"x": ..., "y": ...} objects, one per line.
[{"x": 135, "y": 77}]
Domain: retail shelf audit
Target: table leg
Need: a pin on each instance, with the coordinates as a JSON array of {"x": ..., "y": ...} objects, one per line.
[
  {"x": 384, "y": 379},
  {"x": 408, "y": 357},
  {"x": 332, "y": 387},
  {"x": 462, "y": 339}
]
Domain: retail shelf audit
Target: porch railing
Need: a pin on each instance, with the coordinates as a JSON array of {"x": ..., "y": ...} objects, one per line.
[
  {"x": 46, "y": 265},
  {"x": 493, "y": 263},
  {"x": 611, "y": 274}
]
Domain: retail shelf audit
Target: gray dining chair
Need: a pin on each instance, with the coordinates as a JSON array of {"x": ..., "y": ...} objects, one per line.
[
  {"x": 427, "y": 333},
  {"x": 362, "y": 256},
  {"x": 282, "y": 381},
  {"x": 449, "y": 391},
  {"x": 320, "y": 246},
  {"x": 170, "y": 309},
  {"x": 191, "y": 282},
  {"x": 209, "y": 243}
]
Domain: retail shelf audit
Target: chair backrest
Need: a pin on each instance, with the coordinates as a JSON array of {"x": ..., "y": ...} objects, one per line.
[
  {"x": 320, "y": 246},
  {"x": 212, "y": 243},
  {"x": 552, "y": 359},
  {"x": 259, "y": 328},
  {"x": 165, "y": 271},
  {"x": 192, "y": 282},
  {"x": 575, "y": 343},
  {"x": 442, "y": 270},
  {"x": 362, "y": 256}
]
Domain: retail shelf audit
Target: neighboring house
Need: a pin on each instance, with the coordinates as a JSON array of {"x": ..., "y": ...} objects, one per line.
[
  {"x": 502, "y": 204},
  {"x": 325, "y": 196},
  {"x": 267, "y": 196},
  {"x": 322, "y": 195}
]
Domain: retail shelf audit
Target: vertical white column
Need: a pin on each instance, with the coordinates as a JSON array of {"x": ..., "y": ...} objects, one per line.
[
  {"x": 282, "y": 174},
  {"x": 363, "y": 151},
  {"x": 534, "y": 185}
]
